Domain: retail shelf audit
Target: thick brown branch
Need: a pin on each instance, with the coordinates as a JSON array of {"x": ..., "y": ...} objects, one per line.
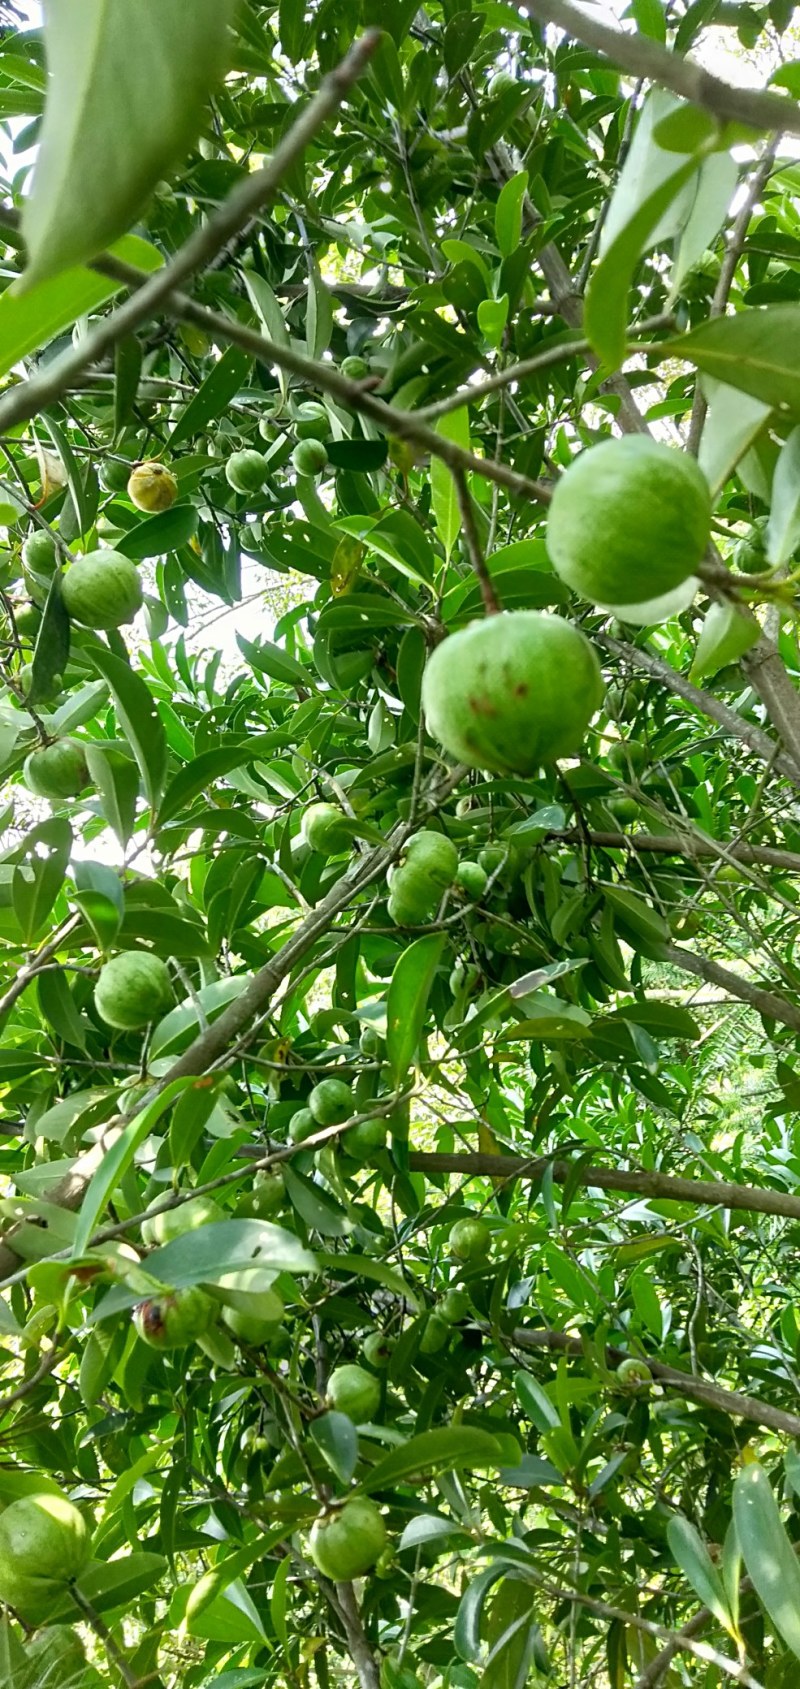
[
  {"x": 764, "y": 1002},
  {"x": 690, "y": 845}
]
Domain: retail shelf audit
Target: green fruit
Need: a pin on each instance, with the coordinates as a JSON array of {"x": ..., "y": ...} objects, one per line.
[
  {"x": 27, "y": 620},
  {"x": 246, "y": 471},
  {"x": 685, "y": 926},
  {"x": 102, "y": 590},
  {"x": 623, "y": 808},
  {"x": 629, "y": 521},
  {"x": 326, "y": 829},
  {"x": 454, "y": 1307},
  {"x": 404, "y": 911},
  {"x": 492, "y": 858},
  {"x": 433, "y": 856},
  {"x": 750, "y": 554},
  {"x": 249, "y": 1328},
  {"x": 370, "y": 1042},
  {"x": 331, "y": 1101},
  {"x": 132, "y": 990},
  {"x": 412, "y": 897},
  {"x": 466, "y": 977},
  {"x": 728, "y": 875},
  {"x": 355, "y": 1392},
  {"x": 44, "y": 1545},
  {"x": 48, "y": 692},
  {"x": 39, "y": 552},
  {"x": 176, "y": 1222},
  {"x": 345, "y": 1544},
  {"x": 355, "y": 368},
  {"x": 266, "y": 1198},
  {"x": 472, "y": 878},
  {"x": 176, "y": 1318},
  {"x": 312, "y": 422},
  {"x": 628, "y": 756},
  {"x": 512, "y": 692},
  {"x": 622, "y": 703},
  {"x": 56, "y": 771},
  {"x": 302, "y": 1125},
  {"x": 363, "y": 1141},
  {"x": 309, "y": 457},
  {"x": 435, "y": 1336},
  {"x": 470, "y": 1240},
  {"x": 116, "y": 472},
  {"x": 634, "y": 1374},
  {"x": 378, "y": 1349}
]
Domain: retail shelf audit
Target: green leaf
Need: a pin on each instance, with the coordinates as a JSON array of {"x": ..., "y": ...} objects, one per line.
[
  {"x": 727, "y": 633},
  {"x": 225, "y": 1571},
  {"x": 450, "y": 1449},
  {"x": 783, "y": 527},
  {"x": 127, "y": 370},
  {"x": 492, "y": 319},
  {"x": 690, "y": 1553},
  {"x": 205, "y": 1256},
  {"x": 733, "y": 423},
  {"x": 128, "y": 80},
  {"x": 767, "y": 1552},
  {"x": 158, "y": 535},
  {"x": 38, "y": 880},
  {"x": 212, "y": 397},
  {"x": 268, "y": 311},
  {"x": 30, "y": 320},
  {"x": 315, "y": 1205},
  {"x": 467, "y": 1630},
  {"x": 337, "y": 1440},
  {"x": 138, "y": 717},
  {"x": 446, "y": 508},
  {"x": 58, "y": 1007},
  {"x": 756, "y": 351},
  {"x": 364, "y": 1266},
  {"x": 51, "y": 652},
  {"x": 319, "y": 313},
  {"x": 117, "y": 1161},
  {"x": 407, "y": 1001},
  {"x": 508, "y": 213},
  {"x": 535, "y": 1403},
  {"x": 116, "y": 777}
]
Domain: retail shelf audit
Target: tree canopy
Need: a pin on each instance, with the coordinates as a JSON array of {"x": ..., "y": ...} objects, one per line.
[{"x": 400, "y": 1059}]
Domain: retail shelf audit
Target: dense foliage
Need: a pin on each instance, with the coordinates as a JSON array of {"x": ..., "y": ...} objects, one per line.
[{"x": 457, "y": 1346}]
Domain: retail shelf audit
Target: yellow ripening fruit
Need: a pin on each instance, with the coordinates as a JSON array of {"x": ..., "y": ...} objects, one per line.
[{"x": 152, "y": 487}]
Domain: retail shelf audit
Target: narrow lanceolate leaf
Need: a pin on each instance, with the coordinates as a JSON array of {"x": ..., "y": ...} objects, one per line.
[
  {"x": 29, "y": 322},
  {"x": 690, "y": 1553},
  {"x": 783, "y": 527},
  {"x": 138, "y": 718},
  {"x": 446, "y": 508},
  {"x": 52, "y": 646},
  {"x": 407, "y": 1001},
  {"x": 767, "y": 1552},
  {"x": 756, "y": 351},
  {"x": 128, "y": 82}
]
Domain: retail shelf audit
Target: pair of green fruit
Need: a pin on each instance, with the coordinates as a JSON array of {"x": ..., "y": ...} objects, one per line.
[
  {"x": 329, "y": 1104},
  {"x": 416, "y": 886}
]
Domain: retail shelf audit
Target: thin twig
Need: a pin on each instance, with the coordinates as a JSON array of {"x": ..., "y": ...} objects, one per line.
[{"x": 491, "y": 602}]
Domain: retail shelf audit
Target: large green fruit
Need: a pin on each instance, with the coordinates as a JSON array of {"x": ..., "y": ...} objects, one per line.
[
  {"x": 39, "y": 552},
  {"x": 326, "y": 829},
  {"x": 177, "y": 1317},
  {"x": 355, "y": 368},
  {"x": 345, "y": 1544},
  {"x": 44, "y": 1545},
  {"x": 176, "y": 1222},
  {"x": 455, "y": 1306},
  {"x": 355, "y": 1392},
  {"x": 246, "y": 471},
  {"x": 309, "y": 457},
  {"x": 102, "y": 590},
  {"x": 56, "y": 771},
  {"x": 512, "y": 692},
  {"x": 133, "y": 989},
  {"x": 435, "y": 1336},
  {"x": 331, "y": 1101},
  {"x": 470, "y": 1240},
  {"x": 363, "y": 1141},
  {"x": 629, "y": 521},
  {"x": 434, "y": 856},
  {"x": 312, "y": 422},
  {"x": 55, "y": 1658}
]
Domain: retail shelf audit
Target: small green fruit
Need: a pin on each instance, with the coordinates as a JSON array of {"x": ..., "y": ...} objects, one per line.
[
  {"x": 628, "y": 756},
  {"x": 331, "y": 1102},
  {"x": 56, "y": 771},
  {"x": 27, "y": 620},
  {"x": 472, "y": 879},
  {"x": 634, "y": 1374},
  {"x": 623, "y": 808},
  {"x": 345, "y": 1544},
  {"x": 132, "y": 990},
  {"x": 363, "y": 1141},
  {"x": 311, "y": 422},
  {"x": 49, "y": 692},
  {"x": 370, "y": 1042},
  {"x": 246, "y": 471},
  {"x": 378, "y": 1349},
  {"x": 266, "y": 1198},
  {"x": 435, "y": 1336},
  {"x": 249, "y": 1328},
  {"x": 512, "y": 692},
  {"x": 178, "y": 1317},
  {"x": 454, "y": 1307},
  {"x": 302, "y": 1125},
  {"x": 470, "y": 1240},
  {"x": 115, "y": 472},
  {"x": 355, "y": 368},
  {"x": 44, "y": 1545},
  {"x": 326, "y": 829},
  {"x": 39, "y": 552},
  {"x": 435, "y": 857},
  {"x": 355, "y": 1392},
  {"x": 177, "y": 1222},
  {"x": 466, "y": 977},
  {"x": 102, "y": 590},
  {"x": 309, "y": 457},
  {"x": 629, "y": 521}
]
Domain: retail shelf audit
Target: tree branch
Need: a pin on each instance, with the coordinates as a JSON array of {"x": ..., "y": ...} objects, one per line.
[
  {"x": 643, "y": 57},
  {"x": 764, "y": 1002},
  {"x": 690, "y": 845}
]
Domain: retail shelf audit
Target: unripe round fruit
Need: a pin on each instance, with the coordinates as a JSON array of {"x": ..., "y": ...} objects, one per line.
[
  {"x": 634, "y": 1374},
  {"x": 413, "y": 896},
  {"x": 331, "y": 1101},
  {"x": 102, "y": 590},
  {"x": 311, "y": 422},
  {"x": 152, "y": 487},
  {"x": 178, "y": 1317},
  {"x": 132, "y": 990},
  {"x": 346, "y": 1544},
  {"x": 355, "y": 368},
  {"x": 370, "y": 1042},
  {"x": 309, "y": 457},
  {"x": 378, "y": 1349},
  {"x": 728, "y": 875},
  {"x": 302, "y": 1125},
  {"x": 176, "y": 1222},
  {"x": 466, "y": 977},
  {"x": 249, "y": 1328},
  {"x": 25, "y": 681},
  {"x": 434, "y": 856},
  {"x": 403, "y": 910},
  {"x": 44, "y": 1545},
  {"x": 623, "y": 808},
  {"x": 39, "y": 552},
  {"x": 628, "y": 756},
  {"x": 472, "y": 878},
  {"x": 685, "y": 926},
  {"x": 55, "y": 1656},
  {"x": 454, "y": 1307},
  {"x": 116, "y": 472},
  {"x": 27, "y": 620},
  {"x": 56, "y": 771},
  {"x": 470, "y": 1240},
  {"x": 629, "y": 521},
  {"x": 363, "y": 1141},
  {"x": 266, "y": 1198},
  {"x": 355, "y": 1392},
  {"x": 326, "y": 829},
  {"x": 435, "y": 1336},
  {"x": 492, "y": 858},
  {"x": 512, "y": 692},
  {"x": 246, "y": 471}
]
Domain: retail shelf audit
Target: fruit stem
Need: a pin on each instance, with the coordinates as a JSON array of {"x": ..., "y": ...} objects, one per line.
[{"x": 491, "y": 602}]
